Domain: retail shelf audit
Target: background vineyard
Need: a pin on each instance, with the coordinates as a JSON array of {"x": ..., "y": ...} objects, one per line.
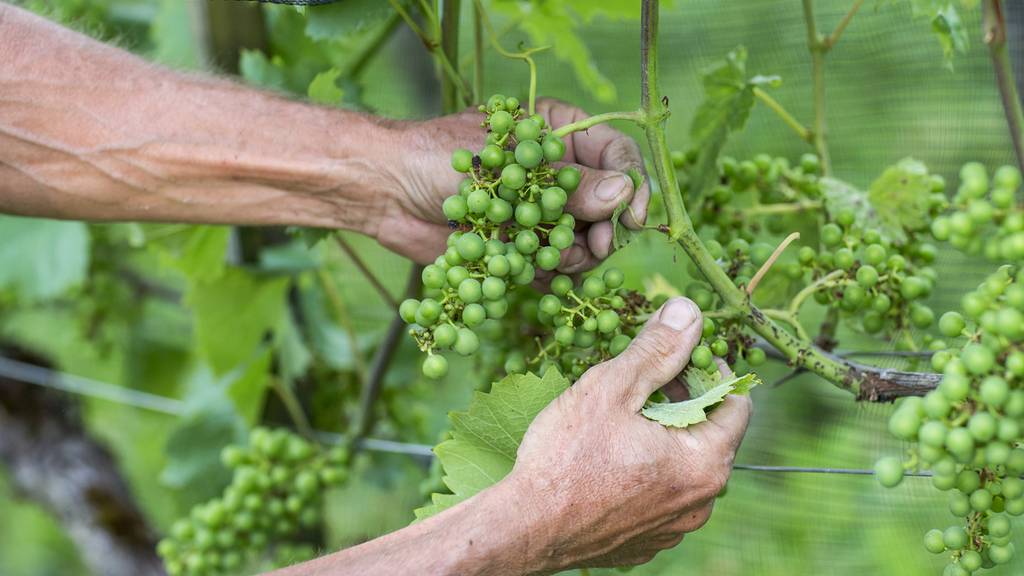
[{"x": 62, "y": 292}]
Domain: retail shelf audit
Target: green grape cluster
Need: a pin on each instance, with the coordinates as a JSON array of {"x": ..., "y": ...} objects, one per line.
[
  {"x": 588, "y": 323},
  {"x": 276, "y": 492},
  {"x": 723, "y": 212},
  {"x": 985, "y": 216},
  {"x": 877, "y": 281},
  {"x": 509, "y": 221},
  {"x": 969, "y": 431},
  {"x": 725, "y": 339}
]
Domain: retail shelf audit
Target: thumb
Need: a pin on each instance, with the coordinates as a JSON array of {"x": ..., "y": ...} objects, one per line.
[{"x": 660, "y": 351}]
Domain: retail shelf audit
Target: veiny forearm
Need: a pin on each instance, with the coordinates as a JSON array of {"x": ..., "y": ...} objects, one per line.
[
  {"x": 487, "y": 535},
  {"x": 91, "y": 132}
]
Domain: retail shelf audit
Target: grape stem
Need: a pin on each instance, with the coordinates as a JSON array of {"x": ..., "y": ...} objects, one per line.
[
  {"x": 782, "y": 208},
  {"x": 867, "y": 383},
  {"x": 801, "y": 131},
  {"x": 994, "y": 33},
  {"x": 525, "y": 55},
  {"x": 292, "y": 405},
  {"x": 637, "y": 116},
  {"x": 433, "y": 46},
  {"x": 818, "y": 48},
  {"x": 367, "y": 273},
  {"x": 825, "y": 281}
]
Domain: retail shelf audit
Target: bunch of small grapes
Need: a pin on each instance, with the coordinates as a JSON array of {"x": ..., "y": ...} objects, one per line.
[
  {"x": 725, "y": 339},
  {"x": 763, "y": 181},
  {"x": 880, "y": 282},
  {"x": 986, "y": 217},
  {"x": 969, "y": 430},
  {"x": 508, "y": 219},
  {"x": 276, "y": 492},
  {"x": 589, "y": 323}
]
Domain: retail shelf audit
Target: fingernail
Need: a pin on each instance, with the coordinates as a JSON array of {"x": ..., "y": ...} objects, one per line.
[
  {"x": 574, "y": 257},
  {"x": 679, "y": 313},
  {"x": 611, "y": 188}
]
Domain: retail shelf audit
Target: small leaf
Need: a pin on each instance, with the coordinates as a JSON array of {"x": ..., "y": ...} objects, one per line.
[
  {"x": 946, "y": 24},
  {"x": 694, "y": 411},
  {"x": 840, "y": 196},
  {"x": 232, "y": 315},
  {"x": 728, "y": 98},
  {"x": 42, "y": 259},
  {"x": 486, "y": 437},
  {"x": 324, "y": 88},
  {"x": 341, "y": 19},
  {"x": 622, "y": 235},
  {"x": 901, "y": 196},
  {"x": 203, "y": 255}
]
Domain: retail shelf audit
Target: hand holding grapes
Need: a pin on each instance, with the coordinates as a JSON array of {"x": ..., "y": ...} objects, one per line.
[
  {"x": 413, "y": 224},
  {"x": 619, "y": 488}
]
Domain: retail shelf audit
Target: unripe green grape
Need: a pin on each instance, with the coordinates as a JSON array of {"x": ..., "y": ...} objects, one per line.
[
  {"x": 513, "y": 176},
  {"x": 954, "y": 570},
  {"x": 493, "y": 288},
  {"x": 550, "y": 304},
  {"x": 853, "y": 296},
  {"x": 492, "y": 157},
  {"x": 933, "y": 541},
  {"x": 970, "y": 560},
  {"x": 875, "y": 254},
  {"x": 954, "y": 537},
  {"x": 547, "y": 258},
  {"x": 607, "y": 321},
  {"x": 952, "y": 324},
  {"x": 889, "y": 471},
  {"x": 560, "y": 285},
  {"x": 527, "y": 242},
  {"x": 997, "y": 453},
  {"x": 499, "y": 211},
  {"x": 1008, "y": 430},
  {"x": 462, "y": 160},
  {"x": 515, "y": 363},
  {"x": 998, "y": 526},
  {"x": 867, "y": 276},
  {"x": 496, "y": 309},
  {"x": 701, "y": 357},
  {"x": 1001, "y": 554},
  {"x": 844, "y": 259},
  {"x": 982, "y": 426},
  {"x": 810, "y": 164},
  {"x": 470, "y": 246},
  {"x": 977, "y": 358},
  {"x": 583, "y": 339},
  {"x": 936, "y": 405},
  {"x": 473, "y": 315},
  {"x": 881, "y": 303},
  {"x": 914, "y": 287},
  {"x": 516, "y": 262},
  {"x": 872, "y": 322},
  {"x": 565, "y": 335},
  {"x": 470, "y": 290},
  {"x": 755, "y": 356},
  {"x": 527, "y": 129},
  {"x": 590, "y": 324},
  {"x": 981, "y": 500},
  {"x": 501, "y": 122},
  {"x": 526, "y": 276},
  {"x": 959, "y": 503},
  {"x": 454, "y": 208},
  {"x": 806, "y": 255},
  {"x": 933, "y": 433},
  {"x": 451, "y": 256},
  {"x": 994, "y": 391},
  {"x": 467, "y": 342},
  {"x": 618, "y": 344},
  {"x": 941, "y": 228},
  {"x": 593, "y": 287},
  {"x": 428, "y": 312},
  {"x": 921, "y": 316},
  {"x": 760, "y": 252},
  {"x": 456, "y": 276},
  {"x": 561, "y": 237},
  {"x": 433, "y": 276},
  {"x": 444, "y": 335},
  {"x": 568, "y": 178},
  {"x": 831, "y": 235},
  {"x": 554, "y": 148},
  {"x": 478, "y": 201},
  {"x": 498, "y": 266},
  {"x": 529, "y": 154}
]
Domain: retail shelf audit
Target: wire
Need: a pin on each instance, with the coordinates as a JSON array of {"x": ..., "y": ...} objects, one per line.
[{"x": 32, "y": 374}]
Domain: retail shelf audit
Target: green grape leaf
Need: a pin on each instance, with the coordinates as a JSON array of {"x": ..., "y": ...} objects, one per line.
[
  {"x": 694, "y": 411},
  {"x": 41, "y": 259},
  {"x": 324, "y": 88},
  {"x": 946, "y": 24},
  {"x": 203, "y": 255},
  {"x": 553, "y": 24},
  {"x": 345, "y": 18},
  {"x": 728, "y": 99},
  {"x": 232, "y": 315},
  {"x": 193, "y": 448},
  {"x": 901, "y": 196},
  {"x": 257, "y": 69},
  {"x": 840, "y": 196},
  {"x": 485, "y": 438}
]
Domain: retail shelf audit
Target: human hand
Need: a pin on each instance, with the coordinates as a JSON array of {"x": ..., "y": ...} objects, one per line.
[
  {"x": 412, "y": 223},
  {"x": 600, "y": 484}
]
